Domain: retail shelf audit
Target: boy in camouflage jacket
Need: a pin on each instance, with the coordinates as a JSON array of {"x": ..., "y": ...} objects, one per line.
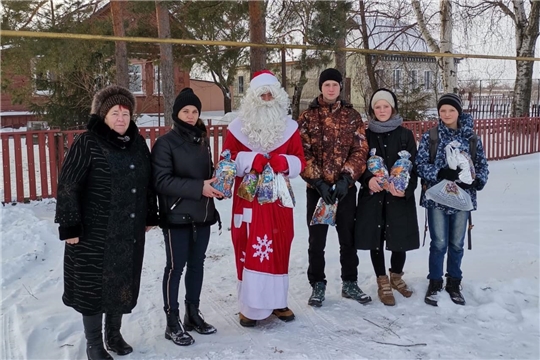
[{"x": 336, "y": 150}]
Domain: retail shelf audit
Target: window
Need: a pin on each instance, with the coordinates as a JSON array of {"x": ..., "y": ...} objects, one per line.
[
  {"x": 427, "y": 80},
  {"x": 135, "y": 79},
  {"x": 240, "y": 84},
  {"x": 397, "y": 78},
  {"x": 414, "y": 79},
  {"x": 379, "y": 76},
  {"x": 158, "y": 83},
  {"x": 42, "y": 79},
  {"x": 441, "y": 87}
]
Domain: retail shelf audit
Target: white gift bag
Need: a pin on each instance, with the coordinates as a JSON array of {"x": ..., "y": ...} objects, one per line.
[{"x": 449, "y": 194}]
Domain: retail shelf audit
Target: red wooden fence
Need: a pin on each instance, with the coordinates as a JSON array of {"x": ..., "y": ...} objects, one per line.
[{"x": 32, "y": 173}]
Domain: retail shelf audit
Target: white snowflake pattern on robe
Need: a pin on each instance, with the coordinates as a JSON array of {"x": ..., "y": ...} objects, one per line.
[{"x": 263, "y": 248}]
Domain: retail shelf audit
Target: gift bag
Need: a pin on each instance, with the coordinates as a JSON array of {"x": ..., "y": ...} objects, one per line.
[
  {"x": 225, "y": 173},
  {"x": 266, "y": 186},
  {"x": 324, "y": 214},
  {"x": 401, "y": 171},
  {"x": 284, "y": 191},
  {"x": 467, "y": 173},
  {"x": 376, "y": 166},
  {"x": 452, "y": 151},
  {"x": 248, "y": 187},
  {"x": 449, "y": 194}
]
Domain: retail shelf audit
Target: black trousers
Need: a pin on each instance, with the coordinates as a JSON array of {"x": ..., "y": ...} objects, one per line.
[
  {"x": 317, "y": 238},
  {"x": 397, "y": 261},
  {"x": 181, "y": 249}
]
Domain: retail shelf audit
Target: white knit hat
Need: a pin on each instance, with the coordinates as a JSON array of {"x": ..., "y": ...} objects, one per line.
[
  {"x": 263, "y": 78},
  {"x": 382, "y": 95}
]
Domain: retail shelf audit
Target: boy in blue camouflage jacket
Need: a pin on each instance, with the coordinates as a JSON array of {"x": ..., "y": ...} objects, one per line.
[{"x": 447, "y": 226}]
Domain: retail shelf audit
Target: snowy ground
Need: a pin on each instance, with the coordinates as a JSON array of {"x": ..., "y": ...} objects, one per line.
[{"x": 501, "y": 286}]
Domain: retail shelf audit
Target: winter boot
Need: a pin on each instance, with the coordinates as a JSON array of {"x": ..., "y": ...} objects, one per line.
[
  {"x": 175, "y": 330},
  {"x": 193, "y": 320},
  {"x": 396, "y": 280},
  {"x": 317, "y": 295},
  {"x": 94, "y": 338},
  {"x": 432, "y": 293},
  {"x": 246, "y": 322},
  {"x": 453, "y": 287},
  {"x": 350, "y": 290},
  {"x": 113, "y": 339},
  {"x": 385, "y": 291},
  {"x": 284, "y": 314}
]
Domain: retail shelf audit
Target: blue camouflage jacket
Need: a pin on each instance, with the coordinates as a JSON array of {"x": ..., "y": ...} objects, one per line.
[{"x": 428, "y": 171}]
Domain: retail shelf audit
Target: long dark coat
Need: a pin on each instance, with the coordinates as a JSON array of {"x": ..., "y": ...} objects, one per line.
[
  {"x": 382, "y": 211},
  {"x": 105, "y": 198}
]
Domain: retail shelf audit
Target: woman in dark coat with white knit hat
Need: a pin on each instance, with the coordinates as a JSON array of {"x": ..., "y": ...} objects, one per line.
[
  {"x": 182, "y": 170},
  {"x": 387, "y": 219},
  {"x": 105, "y": 203}
]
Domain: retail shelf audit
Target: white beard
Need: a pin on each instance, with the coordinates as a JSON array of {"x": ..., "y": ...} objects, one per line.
[{"x": 264, "y": 122}]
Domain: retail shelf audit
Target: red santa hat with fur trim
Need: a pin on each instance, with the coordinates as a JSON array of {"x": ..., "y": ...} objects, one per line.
[{"x": 263, "y": 78}]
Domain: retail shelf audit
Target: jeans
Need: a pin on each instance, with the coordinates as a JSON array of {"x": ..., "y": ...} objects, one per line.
[
  {"x": 348, "y": 257},
  {"x": 447, "y": 234},
  {"x": 180, "y": 249}
]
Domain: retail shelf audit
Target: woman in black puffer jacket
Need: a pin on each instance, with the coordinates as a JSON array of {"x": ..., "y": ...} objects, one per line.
[{"x": 182, "y": 171}]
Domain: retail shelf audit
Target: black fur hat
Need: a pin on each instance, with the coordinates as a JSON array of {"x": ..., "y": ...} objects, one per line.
[{"x": 110, "y": 96}]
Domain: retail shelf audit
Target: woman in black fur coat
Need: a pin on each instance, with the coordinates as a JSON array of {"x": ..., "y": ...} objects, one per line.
[{"x": 105, "y": 204}]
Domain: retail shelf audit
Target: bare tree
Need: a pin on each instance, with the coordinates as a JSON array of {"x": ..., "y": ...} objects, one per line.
[
  {"x": 526, "y": 32},
  {"x": 166, "y": 60},
  {"x": 222, "y": 20},
  {"x": 380, "y": 26},
  {"x": 292, "y": 22},
  {"x": 446, "y": 64},
  {"x": 257, "y": 35},
  {"x": 120, "y": 53}
]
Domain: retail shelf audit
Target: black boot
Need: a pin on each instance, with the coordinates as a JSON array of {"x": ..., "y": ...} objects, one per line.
[
  {"x": 113, "y": 339},
  {"x": 194, "y": 321},
  {"x": 453, "y": 286},
  {"x": 432, "y": 293},
  {"x": 94, "y": 338},
  {"x": 175, "y": 331}
]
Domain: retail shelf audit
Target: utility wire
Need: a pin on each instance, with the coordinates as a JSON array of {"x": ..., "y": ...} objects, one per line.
[{"x": 53, "y": 35}]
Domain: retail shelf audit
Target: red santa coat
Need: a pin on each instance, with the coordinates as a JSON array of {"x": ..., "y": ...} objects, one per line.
[{"x": 262, "y": 234}]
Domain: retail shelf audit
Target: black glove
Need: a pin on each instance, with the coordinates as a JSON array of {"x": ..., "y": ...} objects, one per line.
[
  {"x": 449, "y": 174},
  {"x": 324, "y": 190},
  {"x": 466, "y": 186},
  {"x": 342, "y": 187}
]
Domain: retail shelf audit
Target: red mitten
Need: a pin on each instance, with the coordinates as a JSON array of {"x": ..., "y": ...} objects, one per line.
[
  {"x": 258, "y": 163},
  {"x": 279, "y": 163}
]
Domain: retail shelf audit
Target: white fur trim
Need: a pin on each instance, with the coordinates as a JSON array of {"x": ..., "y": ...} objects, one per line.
[
  {"x": 249, "y": 312},
  {"x": 247, "y": 215},
  {"x": 260, "y": 293},
  {"x": 262, "y": 80},
  {"x": 235, "y": 127},
  {"x": 244, "y": 162},
  {"x": 237, "y": 220},
  {"x": 295, "y": 166}
]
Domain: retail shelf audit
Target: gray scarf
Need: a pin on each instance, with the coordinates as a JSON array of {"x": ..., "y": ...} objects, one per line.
[{"x": 385, "y": 126}]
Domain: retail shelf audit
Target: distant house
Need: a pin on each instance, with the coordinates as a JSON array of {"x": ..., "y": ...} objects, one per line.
[
  {"x": 398, "y": 73},
  {"x": 145, "y": 83}
]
